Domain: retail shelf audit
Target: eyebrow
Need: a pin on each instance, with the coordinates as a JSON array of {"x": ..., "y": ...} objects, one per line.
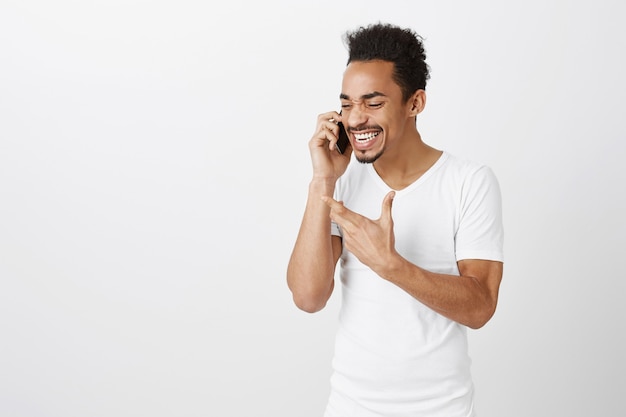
[{"x": 343, "y": 96}]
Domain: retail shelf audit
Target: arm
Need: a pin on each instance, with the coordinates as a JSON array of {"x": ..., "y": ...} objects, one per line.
[
  {"x": 469, "y": 299},
  {"x": 311, "y": 269}
]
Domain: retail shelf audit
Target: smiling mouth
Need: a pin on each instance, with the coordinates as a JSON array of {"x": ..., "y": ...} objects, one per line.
[{"x": 365, "y": 137}]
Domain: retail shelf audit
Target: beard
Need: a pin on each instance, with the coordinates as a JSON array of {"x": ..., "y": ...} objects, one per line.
[{"x": 370, "y": 159}]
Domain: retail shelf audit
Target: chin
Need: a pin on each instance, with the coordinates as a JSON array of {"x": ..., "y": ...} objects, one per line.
[{"x": 367, "y": 159}]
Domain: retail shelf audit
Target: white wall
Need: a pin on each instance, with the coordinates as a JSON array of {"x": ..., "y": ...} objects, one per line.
[{"x": 153, "y": 171}]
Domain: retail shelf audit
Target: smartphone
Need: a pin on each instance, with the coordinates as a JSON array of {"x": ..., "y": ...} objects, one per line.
[{"x": 343, "y": 141}]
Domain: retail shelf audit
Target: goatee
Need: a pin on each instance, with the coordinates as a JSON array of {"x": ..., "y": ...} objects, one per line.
[{"x": 368, "y": 160}]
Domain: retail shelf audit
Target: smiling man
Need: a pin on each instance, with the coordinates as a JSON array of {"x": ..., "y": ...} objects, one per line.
[{"x": 419, "y": 234}]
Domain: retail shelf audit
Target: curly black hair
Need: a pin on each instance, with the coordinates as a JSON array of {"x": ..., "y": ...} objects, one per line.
[{"x": 391, "y": 43}]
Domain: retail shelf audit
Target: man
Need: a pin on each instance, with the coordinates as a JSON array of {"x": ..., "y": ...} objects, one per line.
[{"x": 419, "y": 235}]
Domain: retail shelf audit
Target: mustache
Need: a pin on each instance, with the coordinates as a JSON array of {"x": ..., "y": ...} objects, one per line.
[{"x": 360, "y": 128}]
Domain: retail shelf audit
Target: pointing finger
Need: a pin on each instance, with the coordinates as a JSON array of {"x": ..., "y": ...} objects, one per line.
[
  {"x": 338, "y": 212},
  {"x": 331, "y": 202}
]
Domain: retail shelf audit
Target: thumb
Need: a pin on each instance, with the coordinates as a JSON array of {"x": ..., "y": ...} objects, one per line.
[{"x": 387, "y": 203}]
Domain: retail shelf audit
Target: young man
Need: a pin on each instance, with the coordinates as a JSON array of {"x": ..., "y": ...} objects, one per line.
[{"x": 419, "y": 235}]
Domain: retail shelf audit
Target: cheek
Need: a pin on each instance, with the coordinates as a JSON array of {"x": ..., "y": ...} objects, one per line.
[{"x": 393, "y": 129}]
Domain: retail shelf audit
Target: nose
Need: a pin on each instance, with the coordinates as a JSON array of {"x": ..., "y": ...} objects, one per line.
[{"x": 356, "y": 117}]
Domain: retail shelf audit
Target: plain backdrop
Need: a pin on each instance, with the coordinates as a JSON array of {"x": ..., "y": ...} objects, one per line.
[{"x": 154, "y": 169}]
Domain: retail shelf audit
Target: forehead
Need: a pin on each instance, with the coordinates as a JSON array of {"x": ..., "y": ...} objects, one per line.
[{"x": 364, "y": 77}]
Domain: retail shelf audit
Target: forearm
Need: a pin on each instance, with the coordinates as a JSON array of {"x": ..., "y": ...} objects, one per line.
[
  {"x": 465, "y": 299},
  {"x": 310, "y": 273}
]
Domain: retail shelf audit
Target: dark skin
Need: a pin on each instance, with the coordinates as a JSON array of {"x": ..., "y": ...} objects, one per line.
[{"x": 381, "y": 128}]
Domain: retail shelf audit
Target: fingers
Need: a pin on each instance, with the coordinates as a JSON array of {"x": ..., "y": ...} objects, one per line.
[
  {"x": 387, "y": 205},
  {"x": 333, "y": 204},
  {"x": 338, "y": 212},
  {"x": 331, "y": 116},
  {"x": 327, "y": 129}
]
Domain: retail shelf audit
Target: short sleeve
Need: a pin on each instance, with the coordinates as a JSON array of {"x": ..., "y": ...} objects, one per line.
[
  {"x": 480, "y": 233},
  {"x": 335, "y": 230}
]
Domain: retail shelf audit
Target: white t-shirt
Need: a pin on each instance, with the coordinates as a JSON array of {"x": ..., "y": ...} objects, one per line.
[{"x": 393, "y": 355}]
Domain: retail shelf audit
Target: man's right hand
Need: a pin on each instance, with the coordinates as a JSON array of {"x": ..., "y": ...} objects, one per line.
[{"x": 328, "y": 163}]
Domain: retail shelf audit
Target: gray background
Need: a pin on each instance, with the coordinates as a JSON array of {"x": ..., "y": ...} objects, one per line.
[{"x": 153, "y": 173}]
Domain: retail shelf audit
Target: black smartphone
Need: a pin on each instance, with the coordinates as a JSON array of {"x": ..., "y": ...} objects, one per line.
[{"x": 343, "y": 141}]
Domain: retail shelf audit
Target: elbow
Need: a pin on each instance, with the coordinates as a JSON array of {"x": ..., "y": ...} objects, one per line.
[
  {"x": 310, "y": 292},
  {"x": 311, "y": 299},
  {"x": 481, "y": 317},
  {"x": 308, "y": 304},
  {"x": 477, "y": 324}
]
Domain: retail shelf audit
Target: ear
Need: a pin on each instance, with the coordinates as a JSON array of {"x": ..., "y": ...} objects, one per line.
[{"x": 417, "y": 102}]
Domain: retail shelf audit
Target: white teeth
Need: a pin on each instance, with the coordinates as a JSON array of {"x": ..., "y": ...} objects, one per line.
[{"x": 365, "y": 137}]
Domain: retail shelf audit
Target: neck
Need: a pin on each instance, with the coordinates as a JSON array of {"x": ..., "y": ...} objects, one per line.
[{"x": 405, "y": 163}]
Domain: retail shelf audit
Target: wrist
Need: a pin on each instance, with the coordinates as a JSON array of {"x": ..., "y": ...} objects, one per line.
[
  {"x": 392, "y": 267},
  {"x": 323, "y": 185}
]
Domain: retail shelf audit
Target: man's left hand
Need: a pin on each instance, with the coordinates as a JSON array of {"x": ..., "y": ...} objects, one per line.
[{"x": 371, "y": 241}]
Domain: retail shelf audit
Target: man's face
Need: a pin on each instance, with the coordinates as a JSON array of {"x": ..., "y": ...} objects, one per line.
[{"x": 373, "y": 110}]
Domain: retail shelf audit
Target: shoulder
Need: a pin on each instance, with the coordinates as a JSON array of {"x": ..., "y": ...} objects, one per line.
[
  {"x": 462, "y": 165},
  {"x": 466, "y": 170}
]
